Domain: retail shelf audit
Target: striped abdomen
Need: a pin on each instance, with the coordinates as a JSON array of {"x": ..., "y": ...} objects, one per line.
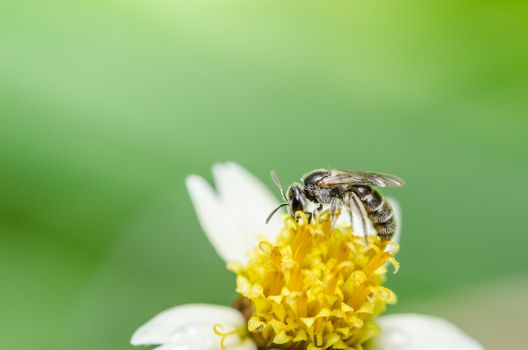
[{"x": 378, "y": 210}]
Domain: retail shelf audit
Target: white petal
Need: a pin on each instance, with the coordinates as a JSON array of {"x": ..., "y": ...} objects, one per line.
[
  {"x": 420, "y": 332},
  {"x": 190, "y": 327},
  {"x": 212, "y": 216},
  {"x": 245, "y": 344},
  {"x": 396, "y": 209},
  {"x": 248, "y": 198},
  {"x": 397, "y": 217},
  {"x": 234, "y": 218}
]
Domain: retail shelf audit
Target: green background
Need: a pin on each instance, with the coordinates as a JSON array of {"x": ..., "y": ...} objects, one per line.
[{"x": 106, "y": 106}]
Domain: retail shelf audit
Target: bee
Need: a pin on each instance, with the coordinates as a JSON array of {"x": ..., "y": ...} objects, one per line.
[{"x": 342, "y": 189}]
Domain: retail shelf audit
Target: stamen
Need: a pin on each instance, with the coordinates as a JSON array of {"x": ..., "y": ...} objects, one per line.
[
  {"x": 317, "y": 286},
  {"x": 395, "y": 264},
  {"x": 217, "y": 330},
  {"x": 264, "y": 244}
]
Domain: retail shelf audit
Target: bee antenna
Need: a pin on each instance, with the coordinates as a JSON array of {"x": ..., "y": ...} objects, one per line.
[
  {"x": 278, "y": 183},
  {"x": 274, "y": 211}
]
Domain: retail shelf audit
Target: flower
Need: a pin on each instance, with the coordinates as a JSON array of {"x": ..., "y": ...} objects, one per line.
[
  {"x": 318, "y": 287},
  {"x": 302, "y": 285}
]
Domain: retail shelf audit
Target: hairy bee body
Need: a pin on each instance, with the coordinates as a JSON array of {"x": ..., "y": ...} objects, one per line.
[
  {"x": 378, "y": 210},
  {"x": 344, "y": 189}
]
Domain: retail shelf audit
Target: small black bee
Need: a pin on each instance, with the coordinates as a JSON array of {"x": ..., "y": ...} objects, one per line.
[{"x": 340, "y": 188}]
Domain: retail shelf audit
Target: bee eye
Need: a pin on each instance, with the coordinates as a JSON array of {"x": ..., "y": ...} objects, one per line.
[
  {"x": 296, "y": 199},
  {"x": 296, "y": 205}
]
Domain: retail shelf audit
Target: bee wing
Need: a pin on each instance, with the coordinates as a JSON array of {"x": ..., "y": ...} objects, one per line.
[{"x": 343, "y": 177}]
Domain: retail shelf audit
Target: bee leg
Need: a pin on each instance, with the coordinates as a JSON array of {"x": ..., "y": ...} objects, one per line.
[
  {"x": 335, "y": 203},
  {"x": 317, "y": 211},
  {"x": 309, "y": 216},
  {"x": 298, "y": 218},
  {"x": 356, "y": 202}
]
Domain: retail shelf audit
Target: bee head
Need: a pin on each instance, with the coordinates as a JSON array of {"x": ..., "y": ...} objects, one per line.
[{"x": 296, "y": 198}]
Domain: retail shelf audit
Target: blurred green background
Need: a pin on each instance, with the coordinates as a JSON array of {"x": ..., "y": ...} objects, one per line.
[{"x": 106, "y": 106}]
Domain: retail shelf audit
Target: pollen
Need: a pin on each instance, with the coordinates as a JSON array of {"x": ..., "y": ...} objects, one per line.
[{"x": 317, "y": 287}]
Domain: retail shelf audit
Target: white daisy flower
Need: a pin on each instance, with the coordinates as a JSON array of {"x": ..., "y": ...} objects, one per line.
[{"x": 302, "y": 285}]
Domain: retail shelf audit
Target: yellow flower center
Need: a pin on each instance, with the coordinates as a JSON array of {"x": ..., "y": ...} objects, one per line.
[{"x": 317, "y": 287}]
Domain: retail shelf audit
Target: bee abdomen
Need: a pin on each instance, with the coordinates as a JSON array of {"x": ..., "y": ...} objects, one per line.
[
  {"x": 386, "y": 229},
  {"x": 378, "y": 210}
]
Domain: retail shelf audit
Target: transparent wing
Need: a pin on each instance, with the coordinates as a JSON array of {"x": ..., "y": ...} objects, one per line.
[{"x": 343, "y": 177}]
